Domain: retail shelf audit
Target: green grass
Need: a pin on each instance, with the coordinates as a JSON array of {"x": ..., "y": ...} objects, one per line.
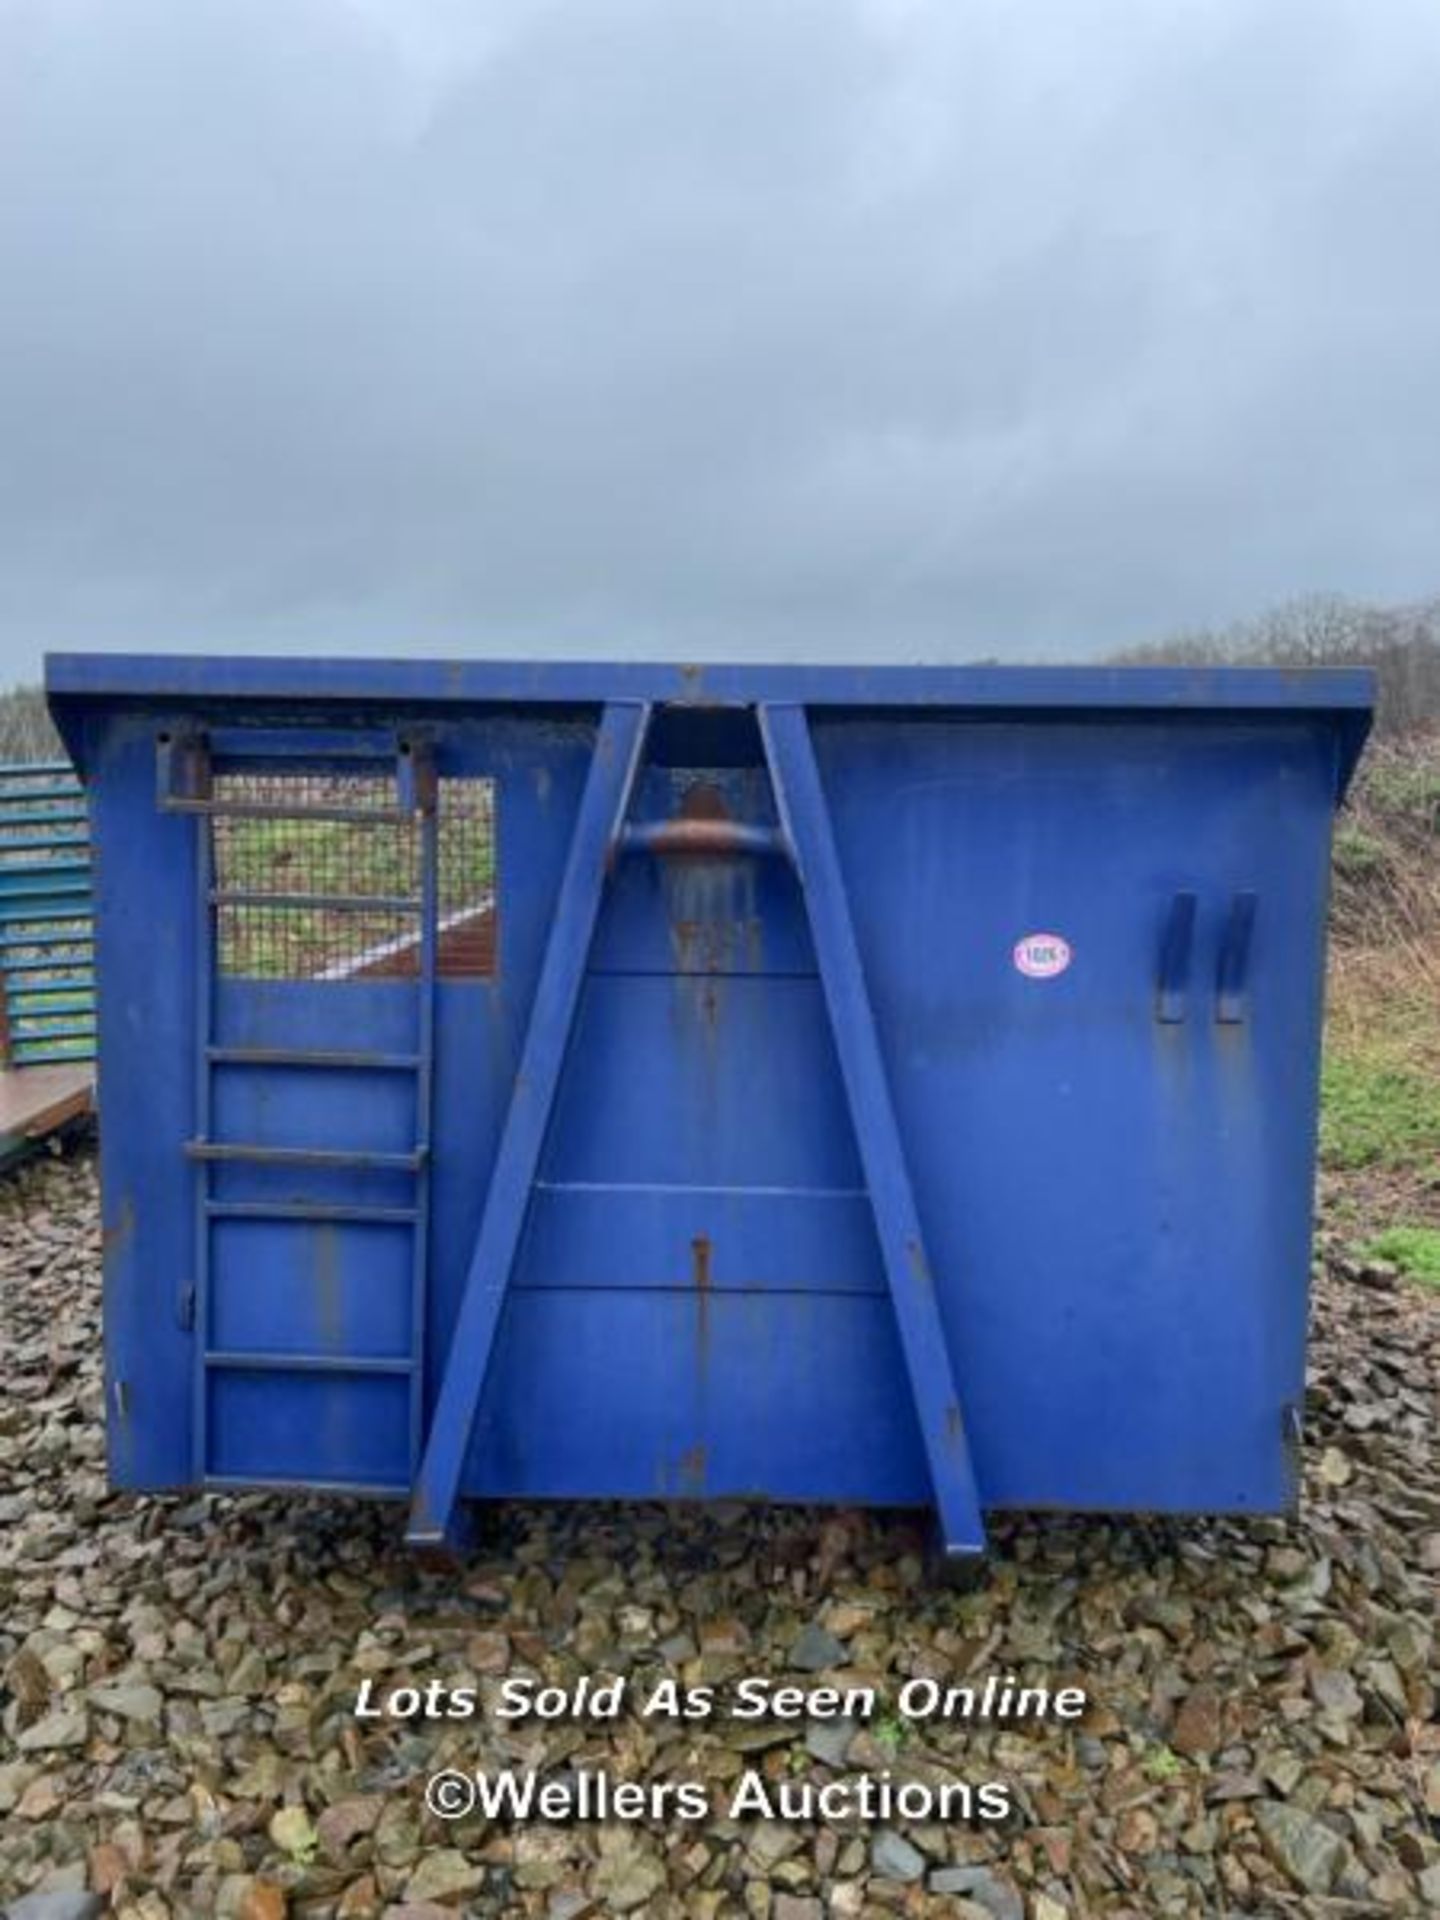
[
  {"x": 362, "y": 859},
  {"x": 1415, "y": 1250},
  {"x": 1407, "y": 786},
  {"x": 1375, "y": 1114},
  {"x": 891, "y": 1732},
  {"x": 1359, "y": 856}
]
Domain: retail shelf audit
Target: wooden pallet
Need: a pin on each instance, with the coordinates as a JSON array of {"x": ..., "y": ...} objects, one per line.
[{"x": 37, "y": 1101}]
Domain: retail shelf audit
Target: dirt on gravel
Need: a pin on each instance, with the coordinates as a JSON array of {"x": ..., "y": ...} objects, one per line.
[{"x": 180, "y": 1674}]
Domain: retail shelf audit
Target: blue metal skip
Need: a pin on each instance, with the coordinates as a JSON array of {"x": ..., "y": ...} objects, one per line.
[{"x": 886, "y": 1085}]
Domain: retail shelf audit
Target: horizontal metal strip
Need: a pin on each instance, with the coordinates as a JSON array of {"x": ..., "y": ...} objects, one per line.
[
  {"x": 311, "y": 1213},
  {"x": 700, "y": 1240},
  {"x": 70, "y": 866},
  {"x": 354, "y": 1489},
  {"x": 310, "y": 1363},
  {"x": 311, "y": 1057},
  {"x": 39, "y": 842},
  {"x": 55, "y": 983},
  {"x": 280, "y": 748},
  {"x": 263, "y": 810},
  {"x": 32, "y": 1053},
  {"x": 32, "y": 912},
  {"x": 303, "y": 1156},
  {"x": 629, "y": 1187},
  {"x": 45, "y": 905},
  {"x": 45, "y": 1003},
  {"x": 313, "y": 902},
  {"x": 44, "y": 962},
  {"x": 603, "y": 971},
  {"x": 57, "y": 810},
  {"x": 51, "y": 790},
  {"x": 62, "y": 927}
]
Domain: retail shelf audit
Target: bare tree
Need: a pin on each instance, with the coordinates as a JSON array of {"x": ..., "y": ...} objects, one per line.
[
  {"x": 26, "y": 732},
  {"x": 1402, "y": 644}
]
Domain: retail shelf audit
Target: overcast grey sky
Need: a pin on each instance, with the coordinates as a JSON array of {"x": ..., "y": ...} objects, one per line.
[{"x": 889, "y": 329}]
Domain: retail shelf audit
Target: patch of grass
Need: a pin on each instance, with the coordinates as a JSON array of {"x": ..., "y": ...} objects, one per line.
[
  {"x": 1375, "y": 1114},
  {"x": 1415, "y": 1250},
  {"x": 1359, "y": 855},
  {"x": 1406, "y": 785},
  {"x": 891, "y": 1732}
]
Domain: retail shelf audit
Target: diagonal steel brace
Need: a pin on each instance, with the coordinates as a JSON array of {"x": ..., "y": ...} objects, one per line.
[
  {"x": 603, "y": 805},
  {"x": 805, "y": 819}
]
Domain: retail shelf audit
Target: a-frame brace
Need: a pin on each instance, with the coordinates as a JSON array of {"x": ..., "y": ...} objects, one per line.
[
  {"x": 806, "y": 837},
  {"x": 606, "y": 795},
  {"x": 805, "y": 818}
]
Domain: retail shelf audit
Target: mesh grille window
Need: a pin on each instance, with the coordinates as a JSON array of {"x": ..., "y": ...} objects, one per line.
[{"x": 319, "y": 877}]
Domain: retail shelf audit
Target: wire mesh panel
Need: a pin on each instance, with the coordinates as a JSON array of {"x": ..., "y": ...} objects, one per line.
[{"x": 318, "y": 876}]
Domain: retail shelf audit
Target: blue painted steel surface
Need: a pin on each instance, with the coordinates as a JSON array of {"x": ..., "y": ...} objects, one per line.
[
  {"x": 601, "y": 815},
  {"x": 662, "y": 1247},
  {"x": 805, "y": 818},
  {"x": 47, "y": 981}
]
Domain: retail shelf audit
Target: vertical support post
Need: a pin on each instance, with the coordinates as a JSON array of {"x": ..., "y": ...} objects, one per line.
[
  {"x": 206, "y": 945},
  {"x": 603, "y": 803},
  {"x": 805, "y": 817},
  {"x": 417, "y": 772}
]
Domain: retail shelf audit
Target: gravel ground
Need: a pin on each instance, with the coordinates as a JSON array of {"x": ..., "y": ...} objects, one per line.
[{"x": 179, "y": 1676}]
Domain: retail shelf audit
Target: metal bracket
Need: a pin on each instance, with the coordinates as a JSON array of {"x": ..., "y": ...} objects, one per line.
[
  {"x": 603, "y": 804},
  {"x": 183, "y": 778},
  {"x": 1173, "y": 989},
  {"x": 1232, "y": 984},
  {"x": 185, "y": 758}
]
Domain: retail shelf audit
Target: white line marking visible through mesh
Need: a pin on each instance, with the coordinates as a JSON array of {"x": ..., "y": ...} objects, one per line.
[{"x": 403, "y": 942}]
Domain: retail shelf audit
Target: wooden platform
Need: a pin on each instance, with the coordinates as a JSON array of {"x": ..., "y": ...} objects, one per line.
[{"x": 35, "y": 1101}]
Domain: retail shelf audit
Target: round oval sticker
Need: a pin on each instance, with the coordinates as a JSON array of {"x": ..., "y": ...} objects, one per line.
[{"x": 1040, "y": 956}]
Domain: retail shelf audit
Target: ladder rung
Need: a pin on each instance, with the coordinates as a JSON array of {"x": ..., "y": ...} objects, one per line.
[
  {"x": 309, "y": 1057},
  {"x": 317, "y": 902},
  {"x": 281, "y": 810},
  {"x": 304, "y": 1156},
  {"x": 311, "y": 1211},
  {"x": 310, "y": 1363}
]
